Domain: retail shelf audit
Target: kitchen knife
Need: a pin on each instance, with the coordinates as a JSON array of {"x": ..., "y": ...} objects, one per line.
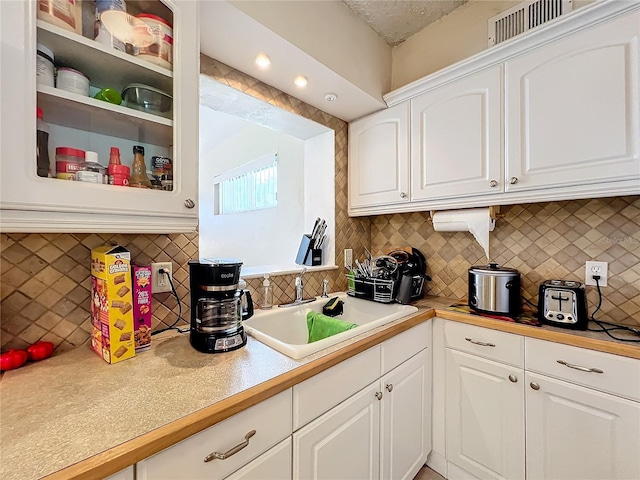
[{"x": 314, "y": 231}]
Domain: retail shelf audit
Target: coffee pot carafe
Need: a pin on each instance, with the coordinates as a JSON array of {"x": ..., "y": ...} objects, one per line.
[{"x": 218, "y": 305}]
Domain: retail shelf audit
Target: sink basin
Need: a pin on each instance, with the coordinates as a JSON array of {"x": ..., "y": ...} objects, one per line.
[{"x": 285, "y": 329}]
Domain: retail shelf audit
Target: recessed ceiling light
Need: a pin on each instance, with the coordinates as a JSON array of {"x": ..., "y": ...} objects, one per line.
[
  {"x": 263, "y": 61},
  {"x": 301, "y": 81},
  {"x": 331, "y": 97}
]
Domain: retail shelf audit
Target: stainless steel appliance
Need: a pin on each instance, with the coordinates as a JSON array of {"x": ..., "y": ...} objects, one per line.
[
  {"x": 494, "y": 289},
  {"x": 217, "y": 305},
  {"x": 563, "y": 303}
]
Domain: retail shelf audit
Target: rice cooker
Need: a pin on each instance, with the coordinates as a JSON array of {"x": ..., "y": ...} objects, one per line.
[{"x": 494, "y": 289}]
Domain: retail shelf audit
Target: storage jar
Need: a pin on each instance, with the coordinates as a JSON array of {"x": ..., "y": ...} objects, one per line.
[
  {"x": 161, "y": 51},
  {"x": 61, "y": 13},
  {"x": 69, "y": 161},
  {"x": 73, "y": 81},
  {"x": 44, "y": 66},
  {"x": 103, "y": 36}
]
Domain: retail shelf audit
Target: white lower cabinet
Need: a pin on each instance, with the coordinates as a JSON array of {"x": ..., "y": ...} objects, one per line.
[
  {"x": 567, "y": 413},
  {"x": 580, "y": 433},
  {"x": 274, "y": 464},
  {"x": 383, "y": 431},
  {"x": 484, "y": 417}
]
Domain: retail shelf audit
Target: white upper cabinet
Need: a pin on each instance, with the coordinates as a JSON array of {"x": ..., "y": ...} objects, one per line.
[
  {"x": 379, "y": 158},
  {"x": 456, "y": 137},
  {"x": 551, "y": 114},
  {"x": 573, "y": 111},
  {"x": 29, "y": 203}
]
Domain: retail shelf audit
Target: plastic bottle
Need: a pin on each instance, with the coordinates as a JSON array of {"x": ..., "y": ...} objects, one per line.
[
  {"x": 139, "y": 176},
  {"x": 267, "y": 293},
  {"x": 114, "y": 156},
  {"x": 42, "y": 152}
]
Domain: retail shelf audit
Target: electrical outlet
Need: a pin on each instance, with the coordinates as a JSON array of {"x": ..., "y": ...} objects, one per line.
[
  {"x": 599, "y": 269},
  {"x": 348, "y": 257},
  {"x": 159, "y": 281}
]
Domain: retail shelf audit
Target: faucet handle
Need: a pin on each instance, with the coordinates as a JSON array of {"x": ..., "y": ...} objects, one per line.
[{"x": 325, "y": 288}]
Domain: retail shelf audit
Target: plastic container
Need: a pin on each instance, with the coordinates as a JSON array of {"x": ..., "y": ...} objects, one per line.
[
  {"x": 139, "y": 176},
  {"x": 109, "y": 95},
  {"x": 42, "y": 154},
  {"x": 103, "y": 36},
  {"x": 73, "y": 81},
  {"x": 92, "y": 171},
  {"x": 44, "y": 66},
  {"x": 65, "y": 14},
  {"x": 69, "y": 161},
  {"x": 119, "y": 175},
  {"x": 266, "y": 301},
  {"x": 161, "y": 51}
]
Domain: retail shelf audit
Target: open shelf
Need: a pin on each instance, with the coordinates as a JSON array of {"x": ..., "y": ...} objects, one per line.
[
  {"x": 105, "y": 67},
  {"x": 85, "y": 113}
]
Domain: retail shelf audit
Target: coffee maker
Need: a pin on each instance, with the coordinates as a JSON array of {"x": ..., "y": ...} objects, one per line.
[{"x": 217, "y": 307}]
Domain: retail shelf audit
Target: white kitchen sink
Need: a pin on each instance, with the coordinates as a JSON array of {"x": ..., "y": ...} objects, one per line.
[{"x": 285, "y": 329}]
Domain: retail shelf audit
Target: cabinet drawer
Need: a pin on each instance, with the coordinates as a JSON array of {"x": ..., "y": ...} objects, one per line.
[
  {"x": 318, "y": 394},
  {"x": 405, "y": 345},
  {"x": 274, "y": 464},
  {"x": 500, "y": 346},
  {"x": 620, "y": 375},
  {"x": 271, "y": 419}
]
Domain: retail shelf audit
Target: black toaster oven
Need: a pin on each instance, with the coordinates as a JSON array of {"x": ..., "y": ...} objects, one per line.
[{"x": 563, "y": 303}]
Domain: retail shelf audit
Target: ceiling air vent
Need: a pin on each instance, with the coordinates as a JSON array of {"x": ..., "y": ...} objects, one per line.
[{"x": 525, "y": 16}]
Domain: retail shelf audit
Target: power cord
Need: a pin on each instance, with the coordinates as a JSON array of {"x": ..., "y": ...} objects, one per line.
[
  {"x": 611, "y": 326},
  {"x": 175, "y": 294}
]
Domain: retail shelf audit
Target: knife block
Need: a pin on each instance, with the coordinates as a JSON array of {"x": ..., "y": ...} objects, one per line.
[{"x": 307, "y": 255}]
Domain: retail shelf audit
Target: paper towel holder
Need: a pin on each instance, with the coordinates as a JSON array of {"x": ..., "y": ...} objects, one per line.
[{"x": 494, "y": 213}]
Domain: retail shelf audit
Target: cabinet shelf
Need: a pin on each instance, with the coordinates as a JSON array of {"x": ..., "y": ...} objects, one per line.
[
  {"x": 105, "y": 67},
  {"x": 85, "y": 113}
]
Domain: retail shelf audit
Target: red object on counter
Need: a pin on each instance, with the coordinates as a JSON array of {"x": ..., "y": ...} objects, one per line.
[
  {"x": 13, "y": 359},
  {"x": 119, "y": 175},
  {"x": 40, "y": 350}
]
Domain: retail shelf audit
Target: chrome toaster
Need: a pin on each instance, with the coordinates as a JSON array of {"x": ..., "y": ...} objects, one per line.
[{"x": 563, "y": 303}]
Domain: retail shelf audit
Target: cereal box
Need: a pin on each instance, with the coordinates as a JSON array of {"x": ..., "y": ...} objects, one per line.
[
  {"x": 111, "y": 303},
  {"x": 142, "y": 307}
]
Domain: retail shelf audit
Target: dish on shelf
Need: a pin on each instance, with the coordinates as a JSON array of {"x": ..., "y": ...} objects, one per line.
[{"x": 147, "y": 99}]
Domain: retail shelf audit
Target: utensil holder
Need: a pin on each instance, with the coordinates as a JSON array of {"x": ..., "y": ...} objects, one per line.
[
  {"x": 370, "y": 288},
  {"x": 306, "y": 254}
]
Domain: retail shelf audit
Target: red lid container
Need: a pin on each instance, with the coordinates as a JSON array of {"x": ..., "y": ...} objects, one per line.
[{"x": 71, "y": 152}]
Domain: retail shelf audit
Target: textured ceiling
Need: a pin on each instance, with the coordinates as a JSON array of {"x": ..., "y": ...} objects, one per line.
[{"x": 397, "y": 20}]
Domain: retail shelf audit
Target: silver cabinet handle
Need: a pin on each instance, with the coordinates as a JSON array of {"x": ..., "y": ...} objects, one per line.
[
  {"x": 578, "y": 367},
  {"x": 389, "y": 387},
  {"x": 535, "y": 386},
  {"x": 513, "y": 180},
  {"x": 189, "y": 203},
  {"x": 379, "y": 395},
  {"x": 403, "y": 195},
  {"x": 233, "y": 451},
  {"x": 493, "y": 183},
  {"x": 513, "y": 378},
  {"x": 476, "y": 342}
]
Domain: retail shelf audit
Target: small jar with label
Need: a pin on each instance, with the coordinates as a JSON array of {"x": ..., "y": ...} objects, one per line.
[
  {"x": 69, "y": 161},
  {"x": 44, "y": 66},
  {"x": 92, "y": 171}
]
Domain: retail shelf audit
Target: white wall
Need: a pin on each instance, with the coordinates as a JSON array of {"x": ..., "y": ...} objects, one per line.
[
  {"x": 455, "y": 37},
  {"x": 244, "y": 235}
]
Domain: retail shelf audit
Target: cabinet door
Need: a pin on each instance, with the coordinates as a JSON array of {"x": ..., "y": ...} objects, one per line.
[
  {"x": 406, "y": 418},
  {"x": 579, "y": 433},
  {"x": 344, "y": 443},
  {"x": 484, "y": 417},
  {"x": 456, "y": 138},
  {"x": 379, "y": 158},
  {"x": 31, "y": 203},
  {"x": 274, "y": 464},
  {"x": 573, "y": 113}
]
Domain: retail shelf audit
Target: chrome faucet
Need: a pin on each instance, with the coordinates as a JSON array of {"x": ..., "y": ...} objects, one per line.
[{"x": 300, "y": 286}]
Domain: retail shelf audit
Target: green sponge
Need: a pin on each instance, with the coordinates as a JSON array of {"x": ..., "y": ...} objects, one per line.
[{"x": 333, "y": 307}]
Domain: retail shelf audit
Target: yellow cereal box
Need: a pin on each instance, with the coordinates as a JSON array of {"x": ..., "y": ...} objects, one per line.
[{"x": 111, "y": 303}]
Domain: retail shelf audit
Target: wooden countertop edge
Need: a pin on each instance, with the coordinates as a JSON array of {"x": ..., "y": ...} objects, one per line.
[
  {"x": 624, "y": 350},
  {"x": 117, "y": 458}
]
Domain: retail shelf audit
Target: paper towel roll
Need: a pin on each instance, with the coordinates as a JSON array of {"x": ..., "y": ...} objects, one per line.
[{"x": 478, "y": 221}]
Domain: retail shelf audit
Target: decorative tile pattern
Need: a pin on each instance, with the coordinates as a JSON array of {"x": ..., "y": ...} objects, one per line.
[
  {"x": 46, "y": 283},
  {"x": 543, "y": 241}
]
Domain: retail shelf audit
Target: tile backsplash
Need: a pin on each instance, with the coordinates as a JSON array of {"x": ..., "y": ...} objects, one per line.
[
  {"x": 45, "y": 278},
  {"x": 543, "y": 241}
]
